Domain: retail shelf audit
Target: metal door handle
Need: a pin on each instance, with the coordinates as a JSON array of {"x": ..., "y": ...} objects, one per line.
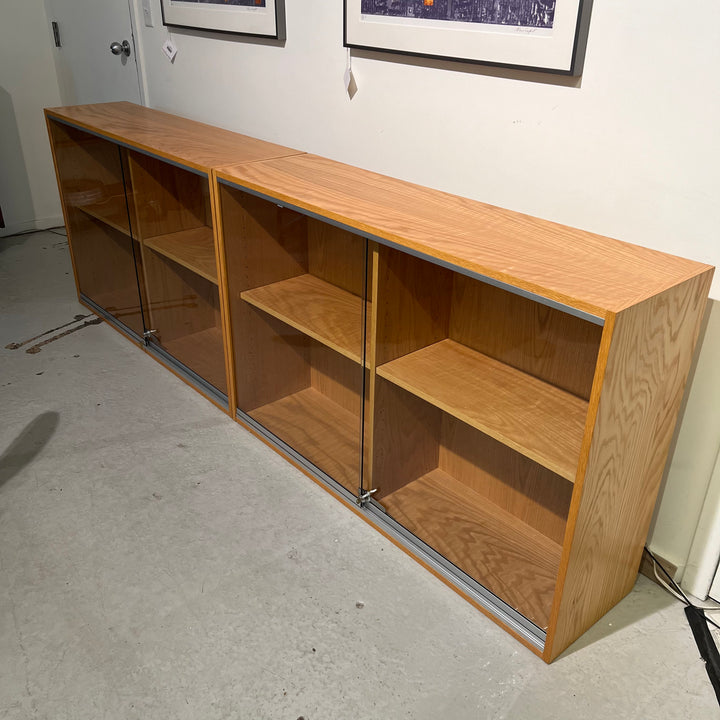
[{"x": 123, "y": 48}]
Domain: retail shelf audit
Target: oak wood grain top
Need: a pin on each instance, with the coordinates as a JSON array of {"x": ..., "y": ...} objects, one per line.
[
  {"x": 185, "y": 141},
  {"x": 577, "y": 268},
  {"x": 533, "y": 417}
]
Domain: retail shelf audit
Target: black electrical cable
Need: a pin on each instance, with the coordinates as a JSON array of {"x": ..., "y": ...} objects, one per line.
[
  {"x": 677, "y": 588},
  {"x": 706, "y": 645},
  {"x": 698, "y": 622}
]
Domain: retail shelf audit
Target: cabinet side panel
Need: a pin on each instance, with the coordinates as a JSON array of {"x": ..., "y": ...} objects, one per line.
[{"x": 647, "y": 367}]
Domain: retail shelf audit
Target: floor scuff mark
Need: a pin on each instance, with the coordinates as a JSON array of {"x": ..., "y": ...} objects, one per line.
[
  {"x": 77, "y": 318},
  {"x": 38, "y": 346}
]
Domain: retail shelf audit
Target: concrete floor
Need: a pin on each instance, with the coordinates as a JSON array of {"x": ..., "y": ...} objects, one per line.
[{"x": 157, "y": 561}]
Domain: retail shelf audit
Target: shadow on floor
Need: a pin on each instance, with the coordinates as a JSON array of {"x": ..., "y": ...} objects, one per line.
[
  {"x": 27, "y": 445},
  {"x": 646, "y": 599},
  {"x": 9, "y": 241}
]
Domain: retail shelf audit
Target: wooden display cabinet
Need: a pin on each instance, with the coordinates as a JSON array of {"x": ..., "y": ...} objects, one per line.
[
  {"x": 494, "y": 392},
  {"x": 139, "y": 206},
  {"x": 522, "y": 381}
]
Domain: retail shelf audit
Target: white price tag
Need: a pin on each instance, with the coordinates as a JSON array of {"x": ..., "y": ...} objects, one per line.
[
  {"x": 169, "y": 49},
  {"x": 350, "y": 85}
]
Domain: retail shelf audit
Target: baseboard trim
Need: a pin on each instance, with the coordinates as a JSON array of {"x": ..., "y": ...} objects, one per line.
[
  {"x": 647, "y": 569},
  {"x": 32, "y": 225}
]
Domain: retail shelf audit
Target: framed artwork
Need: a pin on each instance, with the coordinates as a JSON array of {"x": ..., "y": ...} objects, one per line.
[
  {"x": 263, "y": 18},
  {"x": 545, "y": 35}
]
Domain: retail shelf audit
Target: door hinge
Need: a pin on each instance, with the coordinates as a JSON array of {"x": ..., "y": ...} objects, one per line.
[{"x": 56, "y": 33}]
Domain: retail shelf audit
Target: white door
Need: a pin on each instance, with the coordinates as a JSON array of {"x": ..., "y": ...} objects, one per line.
[{"x": 88, "y": 70}]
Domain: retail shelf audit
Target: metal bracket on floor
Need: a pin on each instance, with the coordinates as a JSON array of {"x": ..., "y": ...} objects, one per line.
[
  {"x": 147, "y": 335},
  {"x": 363, "y": 498}
]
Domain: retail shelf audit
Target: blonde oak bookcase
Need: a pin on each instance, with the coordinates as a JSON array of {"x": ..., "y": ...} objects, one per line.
[
  {"x": 495, "y": 393},
  {"x": 498, "y": 391},
  {"x": 139, "y": 205}
]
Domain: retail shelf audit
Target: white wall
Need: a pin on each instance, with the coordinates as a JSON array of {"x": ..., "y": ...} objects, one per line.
[
  {"x": 28, "y": 83},
  {"x": 631, "y": 151}
]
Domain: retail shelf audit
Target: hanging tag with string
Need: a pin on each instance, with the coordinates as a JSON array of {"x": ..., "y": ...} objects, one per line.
[
  {"x": 168, "y": 47},
  {"x": 350, "y": 85}
]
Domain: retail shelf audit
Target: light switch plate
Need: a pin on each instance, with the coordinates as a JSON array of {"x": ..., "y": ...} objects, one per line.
[{"x": 147, "y": 13}]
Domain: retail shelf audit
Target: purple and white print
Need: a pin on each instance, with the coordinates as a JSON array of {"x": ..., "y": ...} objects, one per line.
[{"x": 517, "y": 13}]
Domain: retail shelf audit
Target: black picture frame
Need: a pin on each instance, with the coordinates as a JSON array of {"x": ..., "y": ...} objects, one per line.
[
  {"x": 557, "y": 47},
  {"x": 242, "y": 17}
]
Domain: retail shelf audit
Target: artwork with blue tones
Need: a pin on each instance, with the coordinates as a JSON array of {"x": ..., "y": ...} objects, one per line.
[{"x": 519, "y": 13}]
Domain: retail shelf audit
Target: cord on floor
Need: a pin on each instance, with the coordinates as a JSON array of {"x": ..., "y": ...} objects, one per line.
[{"x": 698, "y": 622}]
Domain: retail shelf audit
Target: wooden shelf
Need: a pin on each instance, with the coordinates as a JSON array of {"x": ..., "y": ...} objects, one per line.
[
  {"x": 112, "y": 211},
  {"x": 193, "y": 249},
  {"x": 317, "y": 308},
  {"x": 538, "y": 420},
  {"x": 203, "y": 353},
  {"x": 320, "y": 430},
  {"x": 514, "y": 561}
]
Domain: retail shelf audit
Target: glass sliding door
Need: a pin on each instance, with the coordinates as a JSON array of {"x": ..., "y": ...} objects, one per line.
[
  {"x": 480, "y": 404},
  {"x": 92, "y": 172},
  {"x": 174, "y": 225},
  {"x": 297, "y": 304}
]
